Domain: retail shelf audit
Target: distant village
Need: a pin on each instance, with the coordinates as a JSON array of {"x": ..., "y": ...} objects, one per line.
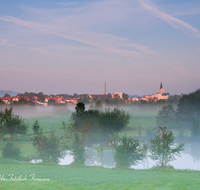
[{"x": 64, "y": 99}]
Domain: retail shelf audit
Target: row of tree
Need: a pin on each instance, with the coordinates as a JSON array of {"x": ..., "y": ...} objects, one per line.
[{"x": 185, "y": 116}]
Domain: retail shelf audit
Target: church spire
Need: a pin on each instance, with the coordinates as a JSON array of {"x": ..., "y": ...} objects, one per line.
[
  {"x": 161, "y": 90},
  {"x": 161, "y": 86}
]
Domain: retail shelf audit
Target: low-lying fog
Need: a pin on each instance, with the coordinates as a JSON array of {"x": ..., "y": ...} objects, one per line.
[{"x": 190, "y": 157}]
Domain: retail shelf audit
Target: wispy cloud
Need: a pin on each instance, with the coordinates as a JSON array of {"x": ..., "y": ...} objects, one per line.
[
  {"x": 107, "y": 42},
  {"x": 175, "y": 22},
  {"x": 66, "y": 4}
]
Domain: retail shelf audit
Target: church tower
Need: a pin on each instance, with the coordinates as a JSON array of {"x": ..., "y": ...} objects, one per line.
[{"x": 161, "y": 90}]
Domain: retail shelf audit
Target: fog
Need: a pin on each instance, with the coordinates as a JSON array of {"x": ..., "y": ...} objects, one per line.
[
  {"x": 186, "y": 161},
  {"x": 190, "y": 157}
]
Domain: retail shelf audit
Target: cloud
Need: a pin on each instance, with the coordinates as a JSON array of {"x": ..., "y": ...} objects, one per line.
[
  {"x": 4, "y": 41},
  {"x": 66, "y": 4},
  {"x": 107, "y": 42},
  {"x": 174, "y": 22}
]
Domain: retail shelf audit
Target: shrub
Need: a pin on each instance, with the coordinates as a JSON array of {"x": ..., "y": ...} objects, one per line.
[
  {"x": 127, "y": 151},
  {"x": 75, "y": 139},
  {"x": 163, "y": 148},
  {"x": 49, "y": 147},
  {"x": 11, "y": 151}
]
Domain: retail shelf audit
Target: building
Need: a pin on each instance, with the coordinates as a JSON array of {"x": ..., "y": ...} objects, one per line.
[{"x": 154, "y": 97}]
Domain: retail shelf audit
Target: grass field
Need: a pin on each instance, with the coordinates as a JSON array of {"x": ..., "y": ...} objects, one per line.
[
  {"x": 145, "y": 119},
  {"x": 82, "y": 177},
  {"x": 90, "y": 177}
]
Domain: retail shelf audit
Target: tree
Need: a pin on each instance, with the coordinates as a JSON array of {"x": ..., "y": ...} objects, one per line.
[
  {"x": 23, "y": 101},
  {"x": 195, "y": 130},
  {"x": 2, "y": 126},
  {"x": 51, "y": 102},
  {"x": 116, "y": 97},
  {"x": 7, "y": 95},
  {"x": 98, "y": 105},
  {"x": 112, "y": 121},
  {"x": 1, "y": 101},
  {"x": 166, "y": 116},
  {"x": 11, "y": 151},
  {"x": 41, "y": 97},
  {"x": 49, "y": 147},
  {"x": 103, "y": 123},
  {"x": 163, "y": 148},
  {"x": 127, "y": 151},
  {"x": 125, "y": 96},
  {"x": 109, "y": 96},
  {"x": 75, "y": 138},
  {"x": 80, "y": 108},
  {"x": 75, "y": 95},
  {"x": 188, "y": 109},
  {"x": 11, "y": 123}
]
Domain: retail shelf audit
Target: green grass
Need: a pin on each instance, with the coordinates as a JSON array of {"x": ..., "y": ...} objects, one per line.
[
  {"x": 145, "y": 119},
  {"x": 48, "y": 122},
  {"x": 90, "y": 177}
]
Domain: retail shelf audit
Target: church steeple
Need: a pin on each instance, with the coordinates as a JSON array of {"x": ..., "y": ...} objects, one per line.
[
  {"x": 161, "y": 86},
  {"x": 161, "y": 90}
]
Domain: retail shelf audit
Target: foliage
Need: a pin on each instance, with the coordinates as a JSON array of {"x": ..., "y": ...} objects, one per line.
[
  {"x": 188, "y": 108},
  {"x": 11, "y": 151},
  {"x": 166, "y": 116},
  {"x": 98, "y": 105},
  {"x": 1, "y": 101},
  {"x": 163, "y": 148},
  {"x": 144, "y": 152},
  {"x": 127, "y": 151},
  {"x": 80, "y": 107},
  {"x": 51, "y": 102},
  {"x": 11, "y": 123},
  {"x": 195, "y": 130},
  {"x": 113, "y": 121},
  {"x": 7, "y": 95},
  {"x": 100, "y": 148},
  {"x": 103, "y": 123},
  {"x": 125, "y": 96},
  {"x": 75, "y": 138},
  {"x": 49, "y": 147},
  {"x": 41, "y": 97}
]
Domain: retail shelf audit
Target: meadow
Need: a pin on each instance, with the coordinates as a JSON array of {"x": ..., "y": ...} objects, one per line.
[
  {"x": 93, "y": 177},
  {"x": 90, "y": 177}
]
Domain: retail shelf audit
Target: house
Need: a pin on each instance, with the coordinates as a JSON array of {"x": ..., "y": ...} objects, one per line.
[
  {"x": 6, "y": 100},
  {"x": 117, "y": 94},
  {"x": 47, "y": 99},
  {"x": 136, "y": 99},
  {"x": 58, "y": 99},
  {"x": 14, "y": 99}
]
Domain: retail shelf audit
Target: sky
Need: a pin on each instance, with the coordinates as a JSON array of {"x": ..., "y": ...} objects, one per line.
[{"x": 60, "y": 46}]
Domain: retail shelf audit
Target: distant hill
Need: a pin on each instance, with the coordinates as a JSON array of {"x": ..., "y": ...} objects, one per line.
[{"x": 2, "y": 93}]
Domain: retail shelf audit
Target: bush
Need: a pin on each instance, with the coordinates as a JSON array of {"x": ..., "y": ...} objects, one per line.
[
  {"x": 11, "y": 151},
  {"x": 75, "y": 139},
  {"x": 49, "y": 147},
  {"x": 163, "y": 148},
  {"x": 127, "y": 151}
]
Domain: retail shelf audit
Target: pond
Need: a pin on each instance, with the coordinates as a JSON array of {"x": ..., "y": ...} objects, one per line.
[{"x": 186, "y": 161}]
